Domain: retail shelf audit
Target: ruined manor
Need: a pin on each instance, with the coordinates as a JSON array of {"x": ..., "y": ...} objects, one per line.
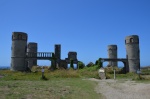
[
  {"x": 24, "y": 54},
  {"x": 132, "y": 60}
]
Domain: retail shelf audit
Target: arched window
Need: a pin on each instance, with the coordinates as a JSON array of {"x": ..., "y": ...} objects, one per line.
[
  {"x": 25, "y": 38},
  {"x": 131, "y": 40},
  {"x": 19, "y": 36}
]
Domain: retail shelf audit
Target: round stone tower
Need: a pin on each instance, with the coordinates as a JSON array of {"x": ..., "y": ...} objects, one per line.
[
  {"x": 112, "y": 53},
  {"x": 32, "y": 47},
  {"x": 133, "y": 52},
  {"x": 18, "y": 51}
]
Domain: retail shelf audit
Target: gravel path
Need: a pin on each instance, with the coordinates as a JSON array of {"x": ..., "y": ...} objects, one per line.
[{"x": 122, "y": 89}]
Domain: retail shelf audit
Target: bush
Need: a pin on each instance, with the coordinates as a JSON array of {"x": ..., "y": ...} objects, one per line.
[
  {"x": 99, "y": 63},
  {"x": 110, "y": 70},
  {"x": 90, "y": 64},
  {"x": 81, "y": 65}
]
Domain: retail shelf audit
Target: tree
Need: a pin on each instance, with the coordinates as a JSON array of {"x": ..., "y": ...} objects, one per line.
[
  {"x": 81, "y": 65},
  {"x": 90, "y": 64},
  {"x": 99, "y": 62}
]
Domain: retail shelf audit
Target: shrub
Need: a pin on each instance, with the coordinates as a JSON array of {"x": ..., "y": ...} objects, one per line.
[
  {"x": 81, "y": 65},
  {"x": 110, "y": 70},
  {"x": 99, "y": 63},
  {"x": 90, "y": 64}
]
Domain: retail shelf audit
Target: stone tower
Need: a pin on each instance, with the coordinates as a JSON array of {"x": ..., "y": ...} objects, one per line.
[
  {"x": 112, "y": 53},
  {"x": 57, "y": 54},
  {"x": 32, "y": 47},
  {"x": 18, "y": 51},
  {"x": 72, "y": 55},
  {"x": 58, "y": 51},
  {"x": 133, "y": 52}
]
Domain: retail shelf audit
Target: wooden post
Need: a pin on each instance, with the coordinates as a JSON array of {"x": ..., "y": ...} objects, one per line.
[{"x": 114, "y": 74}]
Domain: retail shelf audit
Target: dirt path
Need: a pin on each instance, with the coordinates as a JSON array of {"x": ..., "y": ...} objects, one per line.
[{"x": 122, "y": 89}]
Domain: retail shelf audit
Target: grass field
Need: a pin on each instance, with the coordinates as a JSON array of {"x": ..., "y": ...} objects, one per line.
[
  {"x": 59, "y": 84},
  {"x": 55, "y": 88}
]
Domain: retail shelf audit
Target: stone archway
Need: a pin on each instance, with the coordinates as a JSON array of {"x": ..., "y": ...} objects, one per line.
[{"x": 123, "y": 60}]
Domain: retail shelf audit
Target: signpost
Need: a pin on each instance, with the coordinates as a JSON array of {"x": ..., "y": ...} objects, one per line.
[{"x": 114, "y": 74}]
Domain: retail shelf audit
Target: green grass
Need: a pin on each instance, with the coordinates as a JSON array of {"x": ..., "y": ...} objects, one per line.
[
  {"x": 131, "y": 76},
  {"x": 87, "y": 72},
  {"x": 90, "y": 72},
  {"x": 56, "y": 88},
  {"x": 145, "y": 72},
  {"x": 60, "y": 84}
]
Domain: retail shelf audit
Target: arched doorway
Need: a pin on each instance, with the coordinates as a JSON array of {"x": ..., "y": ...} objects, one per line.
[{"x": 122, "y": 61}]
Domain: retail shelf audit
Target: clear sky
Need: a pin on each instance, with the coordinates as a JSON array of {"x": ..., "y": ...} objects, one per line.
[{"x": 84, "y": 26}]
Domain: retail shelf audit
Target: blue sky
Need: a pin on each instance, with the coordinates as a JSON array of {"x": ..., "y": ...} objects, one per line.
[{"x": 84, "y": 26}]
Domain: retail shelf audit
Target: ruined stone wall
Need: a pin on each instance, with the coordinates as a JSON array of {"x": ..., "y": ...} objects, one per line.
[
  {"x": 72, "y": 55},
  {"x": 63, "y": 64},
  {"x": 32, "y": 47}
]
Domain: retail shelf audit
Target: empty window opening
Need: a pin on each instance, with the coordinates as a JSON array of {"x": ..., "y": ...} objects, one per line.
[
  {"x": 131, "y": 40},
  {"x": 19, "y": 36},
  {"x": 74, "y": 66}
]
